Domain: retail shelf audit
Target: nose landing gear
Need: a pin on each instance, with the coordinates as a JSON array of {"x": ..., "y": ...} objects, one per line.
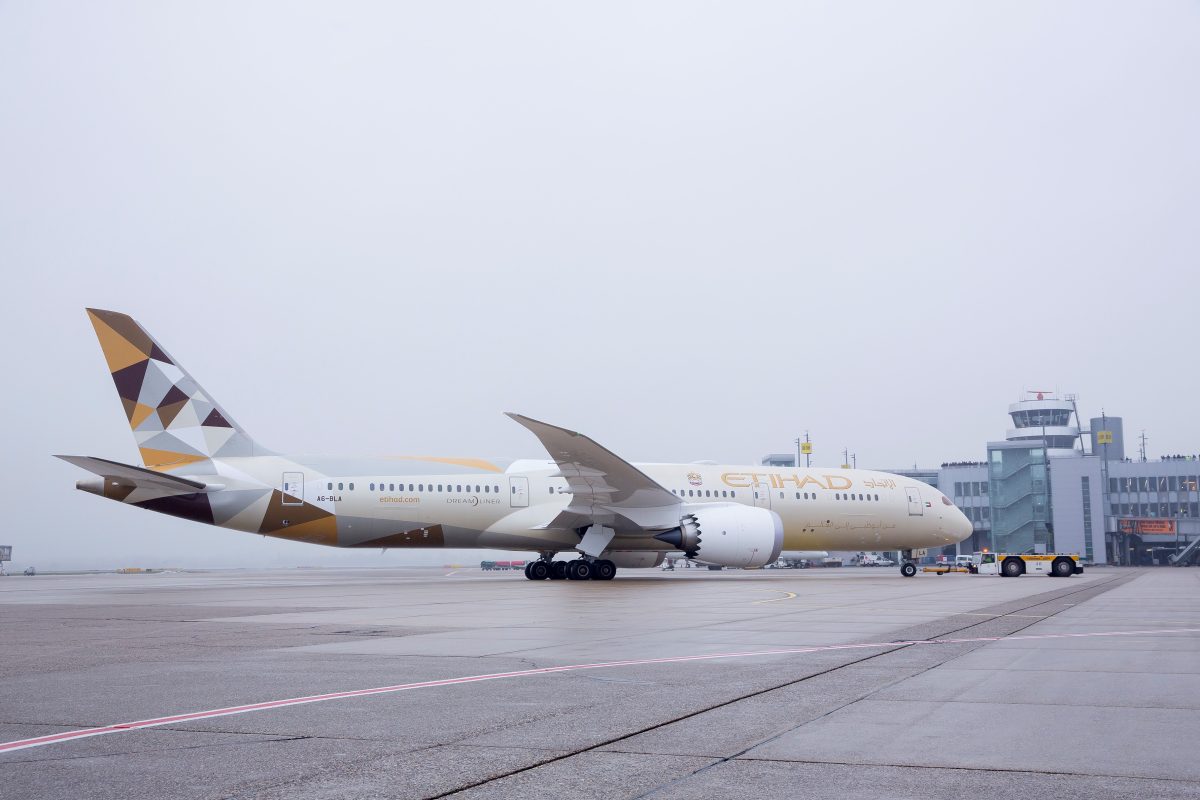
[{"x": 907, "y": 567}]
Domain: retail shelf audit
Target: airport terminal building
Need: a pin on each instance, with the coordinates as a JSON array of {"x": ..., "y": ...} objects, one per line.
[{"x": 1052, "y": 485}]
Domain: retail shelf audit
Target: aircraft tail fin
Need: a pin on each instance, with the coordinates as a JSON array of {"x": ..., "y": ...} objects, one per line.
[{"x": 174, "y": 421}]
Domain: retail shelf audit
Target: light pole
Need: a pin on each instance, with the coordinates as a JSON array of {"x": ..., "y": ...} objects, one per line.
[
  {"x": 806, "y": 449},
  {"x": 1105, "y": 437}
]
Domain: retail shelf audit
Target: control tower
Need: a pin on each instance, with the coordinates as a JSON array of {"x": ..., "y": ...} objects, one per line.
[
  {"x": 1019, "y": 472},
  {"x": 1045, "y": 421}
]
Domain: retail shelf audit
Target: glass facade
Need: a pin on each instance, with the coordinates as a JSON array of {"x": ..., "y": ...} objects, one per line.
[
  {"x": 1155, "y": 495},
  {"x": 1035, "y": 418},
  {"x": 1019, "y": 491}
]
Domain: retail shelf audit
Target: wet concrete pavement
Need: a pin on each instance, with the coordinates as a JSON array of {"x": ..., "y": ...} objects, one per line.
[{"x": 1092, "y": 715}]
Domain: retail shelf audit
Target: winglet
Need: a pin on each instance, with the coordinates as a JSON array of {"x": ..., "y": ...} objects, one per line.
[{"x": 596, "y": 475}]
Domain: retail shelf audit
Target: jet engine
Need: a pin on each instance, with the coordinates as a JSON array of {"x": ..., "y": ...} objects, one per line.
[{"x": 728, "y": 535}]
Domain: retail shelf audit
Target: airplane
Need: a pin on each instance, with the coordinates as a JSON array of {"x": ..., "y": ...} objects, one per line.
[{"x": 585, "y": 500}]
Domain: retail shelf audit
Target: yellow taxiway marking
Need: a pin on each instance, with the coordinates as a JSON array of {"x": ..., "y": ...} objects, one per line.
[{"x": 786, "y": 596}]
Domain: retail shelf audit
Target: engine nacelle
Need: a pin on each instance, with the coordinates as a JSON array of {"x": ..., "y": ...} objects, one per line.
[
  {"x": 728, "y": 535},
  {"x": 634, "y": 559}
]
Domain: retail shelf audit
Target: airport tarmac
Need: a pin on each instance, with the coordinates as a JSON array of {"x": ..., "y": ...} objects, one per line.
[{"x": 935, "y": 686}]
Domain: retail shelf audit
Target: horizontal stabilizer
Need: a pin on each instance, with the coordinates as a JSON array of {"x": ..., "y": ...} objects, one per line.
[{"x": 128, "y": 475}]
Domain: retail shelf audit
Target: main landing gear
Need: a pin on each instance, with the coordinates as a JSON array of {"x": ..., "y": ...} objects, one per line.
[
  {"x": 581, "y": 569},
  {"x": 907, "y": 567}
]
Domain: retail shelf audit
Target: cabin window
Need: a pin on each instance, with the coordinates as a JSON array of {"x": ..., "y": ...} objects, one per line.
[
  {"x": 458, "y": 488},
  {"x": 330, "y": 486},
  {"x": 837, "y": 497},
  {"x": 352, "y": 487},
  {"x": 485, "y": 489},
  {"x": 781, "y": 495},
  {"x": 372, "y": 487},
  {"x": 339, "y": 487},
  {"x": 876, "y": 497},
  {"x": 439, "y": 487}
]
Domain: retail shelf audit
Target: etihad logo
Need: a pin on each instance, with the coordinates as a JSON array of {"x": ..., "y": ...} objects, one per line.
[
  {"x": 746, "y": 480},
  {"x": 694, "y": 478}
]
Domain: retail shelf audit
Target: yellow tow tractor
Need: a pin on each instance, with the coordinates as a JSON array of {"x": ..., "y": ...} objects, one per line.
[{"x": 1014, "y": 565}]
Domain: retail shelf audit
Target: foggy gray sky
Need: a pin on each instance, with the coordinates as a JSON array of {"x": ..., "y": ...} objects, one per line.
[{"x": 688, "y": 230}]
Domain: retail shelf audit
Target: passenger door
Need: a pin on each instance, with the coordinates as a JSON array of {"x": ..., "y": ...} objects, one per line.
[
  {"x": 518, "y": 492},
  {"x": 292, "y": 488},
  {"x": 762, "y": 495},
  {"x": 915, "y": 507}
]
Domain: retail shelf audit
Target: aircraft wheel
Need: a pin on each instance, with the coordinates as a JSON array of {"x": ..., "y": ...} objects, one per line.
[
  {"x": 579, "y": 570},
  {"x": 1063, "y": 568},
  {"x": 527, "y": 566},
  {"x": 558, "y": 570},
  {"x": 604, "y": 570},
  {"x": 537, "y": 571},
  {"x": 908, "y": 570}
]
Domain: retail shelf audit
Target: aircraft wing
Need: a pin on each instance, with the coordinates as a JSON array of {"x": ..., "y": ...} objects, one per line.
[
  {"x": 605, "y": 488},
  {"x": 137, "y": 477}
]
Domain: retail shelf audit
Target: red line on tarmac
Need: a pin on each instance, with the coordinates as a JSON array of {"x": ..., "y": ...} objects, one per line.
[{"x": 83, "y": 733}]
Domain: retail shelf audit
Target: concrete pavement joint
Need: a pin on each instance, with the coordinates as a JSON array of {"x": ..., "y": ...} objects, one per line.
[
  {"x": 962, "y": 769},
  {"x": 899, "y": 646},
  {"x": 874, "y": 691}
]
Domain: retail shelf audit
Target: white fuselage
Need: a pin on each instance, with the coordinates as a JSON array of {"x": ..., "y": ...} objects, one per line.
[{"x": 481, "y": 505}]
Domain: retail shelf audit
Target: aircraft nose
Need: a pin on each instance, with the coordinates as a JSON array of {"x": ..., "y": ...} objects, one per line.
[{"x": 961, "y": 525}]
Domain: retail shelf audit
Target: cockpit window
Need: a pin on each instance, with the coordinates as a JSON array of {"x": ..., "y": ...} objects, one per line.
[{"x": 946, "y": 500}]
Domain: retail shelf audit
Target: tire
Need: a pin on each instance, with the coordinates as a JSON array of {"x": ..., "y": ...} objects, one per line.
[
  {"x": 579, "y": 570},
  {"x": 558, "y": 571},
  {"x": 908, "y": 570},
  {"x": 604, "y": 570},
  {"x": 1012, "y": 568},
  {"x": 1062, "y": 568},
  {"x": 527, "y": 575},
  {"x": 538, "y": 571}
]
